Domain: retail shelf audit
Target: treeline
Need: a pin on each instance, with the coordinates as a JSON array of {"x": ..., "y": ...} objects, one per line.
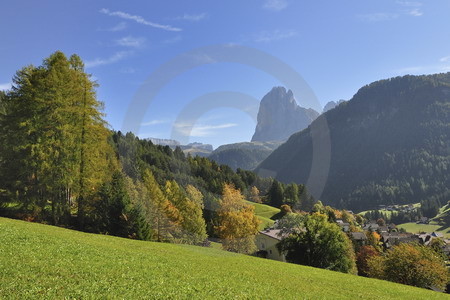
[
  {"x": 60, "y": 164},
  {"x": 394, "y": 217},
  {"x": 428, "y": 208}
]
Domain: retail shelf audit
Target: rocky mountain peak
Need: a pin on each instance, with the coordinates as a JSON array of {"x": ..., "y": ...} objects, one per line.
[{"x": 280, "y": 116}]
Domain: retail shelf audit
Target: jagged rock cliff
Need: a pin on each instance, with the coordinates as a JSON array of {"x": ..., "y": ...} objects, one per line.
[{"x": 280, "y": 116}]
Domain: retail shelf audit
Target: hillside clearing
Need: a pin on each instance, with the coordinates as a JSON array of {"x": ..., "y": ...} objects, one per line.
[
  {"x": 418, "y": 228},
  {"x": 265, "y": 213}
]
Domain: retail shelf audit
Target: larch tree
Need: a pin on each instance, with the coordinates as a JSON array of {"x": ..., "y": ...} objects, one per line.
[
  {"x": 164, "y": 215},
  {"x": 194, "y": 224},
  {"x": 56, "y": 140},
  {"x": 94, "y": 154},
  {"x": 190, "y": 218},
  {"x": 254, "y": 195},
  {"x": 238, "y": 224}
]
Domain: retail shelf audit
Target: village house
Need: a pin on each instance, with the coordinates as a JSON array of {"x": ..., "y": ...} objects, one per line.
[
  {"x": 266, "y": 242},
  {"x": 383, "y": 229},
  {"x": 344, "y": 225},
  {"x": 359, "y": 238},
  {"x": 371, "y": 227},
  {"x": 392, "y": 239}
]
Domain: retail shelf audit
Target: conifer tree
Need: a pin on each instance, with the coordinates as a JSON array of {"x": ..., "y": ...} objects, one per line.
[
  {"x": 194, "y": 224},
  {"x": 275, "y": 194},
  {"x": 56, "y": 149},
  {"x": 163, "y": 215},
  {"x": 114, "y": 209}
]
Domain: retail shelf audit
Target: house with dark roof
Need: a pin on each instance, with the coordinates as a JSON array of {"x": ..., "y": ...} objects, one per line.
[
  {"x": 371, "y": 227},
  {"x": 391, "y": 239},
  {"x": 359, "y": 238},
  {"x": 382, "y": 229},
  {"x": 266, "y": 242}
]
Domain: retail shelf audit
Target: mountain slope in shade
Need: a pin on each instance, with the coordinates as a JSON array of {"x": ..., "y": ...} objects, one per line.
[
  {"x": 389, "y": 144},
  {"x": 280, "y": 116},
  {"x": 246, "y": 155}
]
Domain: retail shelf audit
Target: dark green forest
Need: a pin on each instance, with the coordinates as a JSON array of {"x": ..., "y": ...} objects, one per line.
[
  {"x": 390, "y": 144},
  {"x": 61, "y": 164}
]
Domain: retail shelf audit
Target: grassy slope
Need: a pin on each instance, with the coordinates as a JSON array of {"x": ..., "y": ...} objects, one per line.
[
  {"x": 433, "y": 226},
  {"x": 417, "y": 228},
  {"x": 388, "y": 213},
  {"x": 265, "y": 213},
  {"x": 384, "y": 211},
  {"x": 40, "y": 261}
]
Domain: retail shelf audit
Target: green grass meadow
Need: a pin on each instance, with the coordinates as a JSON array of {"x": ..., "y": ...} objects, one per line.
[
  {"x": 432, "y": 226},
  {"x": 265, "y": 214},
  {"x": 418, "y": 228},
  {"x": 45, "y": 262}
]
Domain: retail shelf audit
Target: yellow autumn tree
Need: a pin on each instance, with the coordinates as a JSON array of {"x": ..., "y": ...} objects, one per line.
[
  {"x": 254, "y": 195},
  {"x": 164, "y": 217},
  {"x": 411, "y": 264},
  {"x": 238, "y": 224},
  {"x": 188, "y": 205}
]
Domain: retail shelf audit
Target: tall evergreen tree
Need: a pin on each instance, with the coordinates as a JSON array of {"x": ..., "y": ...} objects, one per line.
[
  {"x": 164, "y": 215},
  {"x": 275, "y": 194},
  {"x": 113, "y": 209},
  {"x": 291, "y": 195},
  {"x": 55, "y": 140},
  {"x": 194, "y": 224}
]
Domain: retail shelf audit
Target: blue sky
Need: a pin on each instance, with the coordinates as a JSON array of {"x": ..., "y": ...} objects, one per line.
[{"x": 336, "y": 46}]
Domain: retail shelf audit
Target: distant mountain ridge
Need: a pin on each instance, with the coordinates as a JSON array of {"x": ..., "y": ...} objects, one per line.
[
  {"x": 195, "y": 148},
  {"x": 389, "y": 144},
  {"x": 280, "y": 116},
  {"x": 164, "y": 142},
  {"x": 331, "y": 105}
]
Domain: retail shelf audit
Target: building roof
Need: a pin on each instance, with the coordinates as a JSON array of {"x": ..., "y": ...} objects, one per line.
[
  {"x": 342, "y": 223},
  {"x": 392, "y": 226},
  {"x": 359, "y": 236},
  {"x": 373, "y": 226},
  {"x": 437, "y": 234},
  {"x": 397, "y": 238},
  {"x": 274, "y": 233},
  {"x": 383, "y": 228}
]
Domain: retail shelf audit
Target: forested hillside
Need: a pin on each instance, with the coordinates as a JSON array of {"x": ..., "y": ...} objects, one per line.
[
  {"x": 61, "y": 164},
  {"x": 247, "y": 155},
  {"x": 390, "y": 144}
]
